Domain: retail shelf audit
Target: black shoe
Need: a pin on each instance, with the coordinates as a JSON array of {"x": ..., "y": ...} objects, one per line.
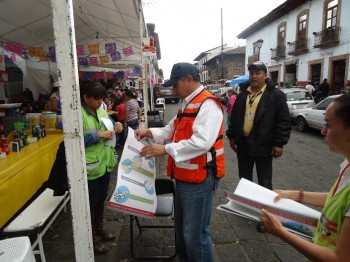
[{"x": 260, "y": 227}]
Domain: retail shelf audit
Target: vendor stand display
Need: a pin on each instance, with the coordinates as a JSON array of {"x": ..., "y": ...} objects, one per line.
[{"x": 23, "y": 173}]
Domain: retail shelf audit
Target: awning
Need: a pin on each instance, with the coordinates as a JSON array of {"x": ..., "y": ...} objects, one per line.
[{"x": 238, "y": 80}]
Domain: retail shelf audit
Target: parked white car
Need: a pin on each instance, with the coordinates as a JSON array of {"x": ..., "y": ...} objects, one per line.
[
  {"x": 297, "y": 98},
  {"x": 221, "y": 94},
  {"x": 313, "y": 117}
]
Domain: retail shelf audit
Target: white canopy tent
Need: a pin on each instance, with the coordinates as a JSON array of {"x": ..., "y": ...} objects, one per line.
[
  {"x": 64, "y": 24},
  {"x": 29, "y": 23}
]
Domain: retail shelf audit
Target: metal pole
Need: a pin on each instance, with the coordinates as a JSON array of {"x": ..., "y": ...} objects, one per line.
[{"x": 67, "y": 71}]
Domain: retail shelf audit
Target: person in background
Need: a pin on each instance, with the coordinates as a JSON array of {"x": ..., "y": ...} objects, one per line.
[
  {"x": 139, "y": 98},
  {"x": 332, "y": 236},
  {"x": 309, "y": 87},
  {"x": 111, "y": 111},
  {"x": 132, "y": 111},
  {"x": 28, "y": 96},
  {"x": 120, "y": 108},
  {"x": 195, "y": 160},
  {"x": 55, "y": 101},
  {"x": 324, "y": 89},
  {"x": 281, "y": 85},
  {"x": 100, "y": 158},
  {"x": 260, "y": 126},
  {"x": 231, "y": 101}
]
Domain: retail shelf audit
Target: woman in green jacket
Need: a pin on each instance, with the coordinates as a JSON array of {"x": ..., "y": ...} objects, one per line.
[
  {"x": 100, "y": 157},
  {"x": 332, "y": 237}
]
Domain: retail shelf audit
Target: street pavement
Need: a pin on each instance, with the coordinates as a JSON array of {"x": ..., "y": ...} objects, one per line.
[{"x": 306, "y": 164}]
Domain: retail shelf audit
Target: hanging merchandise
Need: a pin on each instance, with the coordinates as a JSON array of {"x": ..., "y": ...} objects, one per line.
[
  {"x": 148, "y": 47},
  {"x": 119, "y": 74}
]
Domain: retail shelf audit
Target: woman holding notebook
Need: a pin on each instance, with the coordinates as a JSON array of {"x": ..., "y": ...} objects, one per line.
[{"x": 332, "y": 237}]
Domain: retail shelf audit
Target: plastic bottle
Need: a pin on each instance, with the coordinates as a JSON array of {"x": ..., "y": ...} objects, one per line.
[
  {"x": 2, "y": 140},
  {"x": 25, "y": 137},
  {"x": 5, "y": 148}
]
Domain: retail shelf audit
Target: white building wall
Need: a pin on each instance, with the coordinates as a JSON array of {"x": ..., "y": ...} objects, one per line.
[{"x": 269, "y": 35}]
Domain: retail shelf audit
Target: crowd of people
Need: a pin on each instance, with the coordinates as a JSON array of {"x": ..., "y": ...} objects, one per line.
[{"x": 259, "y": 127}]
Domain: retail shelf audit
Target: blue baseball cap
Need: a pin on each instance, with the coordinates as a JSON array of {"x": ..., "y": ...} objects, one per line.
[{"x": 180, "y": 70}]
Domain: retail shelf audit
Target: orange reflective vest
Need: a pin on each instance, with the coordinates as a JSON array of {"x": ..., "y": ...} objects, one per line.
[{"x": 195, "y": 170}]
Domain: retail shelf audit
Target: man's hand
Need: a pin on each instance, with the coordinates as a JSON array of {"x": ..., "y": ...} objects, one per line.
[
  {"x": 233, "y": 145},
  {"x": 141, "y": 133},
  {"x": 153, "y": 150},
  {"x": 277, "y": 151},
  {"x": 118, "y": 127}
]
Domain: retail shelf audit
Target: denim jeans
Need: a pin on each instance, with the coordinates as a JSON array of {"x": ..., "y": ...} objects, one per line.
[
  {"x": 134, "y": 124},
  {"x": 193, "y": 205}
]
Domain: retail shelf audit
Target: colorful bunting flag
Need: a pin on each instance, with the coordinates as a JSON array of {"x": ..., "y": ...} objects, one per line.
[
  {"x": 13, "y": 57},
  {"x": 119, "y": 74},
  {"x": 52, "y": 54},
  {"x": 127, "y": 51},
  {"x": 104, "y": 59},
  {"x": 25, "y": 54},
  {"x": 110, "y": 48},
  {"x": 94, "y": 49},
  {"x": 137, "y": 71},
  {"x": 14, "y": 47},
  {"x": 36, "y": 51},
  {"x": 83, "y": 61},
  {"x": 93, "y": 61},
  {"x": 80, "y": 50},
  {"x": 116, "y": 56},
  {"x": 109, "y": 75},
  {"x": 7, "y": 59}
]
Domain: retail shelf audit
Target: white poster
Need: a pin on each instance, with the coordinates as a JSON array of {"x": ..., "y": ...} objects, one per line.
[{"x": 135, "y": 190}]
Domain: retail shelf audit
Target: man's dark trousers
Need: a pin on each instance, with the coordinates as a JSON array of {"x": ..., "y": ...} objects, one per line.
[{"x": 246, "y": 164}]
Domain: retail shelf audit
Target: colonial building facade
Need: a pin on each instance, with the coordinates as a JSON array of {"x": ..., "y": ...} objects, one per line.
[
  {"x": 303, "y": 40},
  {"x": 221, "y": 63}
]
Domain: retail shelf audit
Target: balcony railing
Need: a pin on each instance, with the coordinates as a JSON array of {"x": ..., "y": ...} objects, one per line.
[
  {"x": 252, "y": 59},
  {"x": 299, "y": 46},
  {"x": 278, "y": 52},
  {"x": 327, "y": 37}
]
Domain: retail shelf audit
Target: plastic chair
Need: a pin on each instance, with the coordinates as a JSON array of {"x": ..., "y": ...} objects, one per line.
[
  {"x": 160, "y": 103},
  {"x": 156, "y": 118},
  {"x": 165, "y": 190},
  {"x": 17, "y": 249}
]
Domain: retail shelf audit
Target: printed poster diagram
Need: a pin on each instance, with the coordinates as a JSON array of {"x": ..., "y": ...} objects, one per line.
[{"x": 135, "y": 189}]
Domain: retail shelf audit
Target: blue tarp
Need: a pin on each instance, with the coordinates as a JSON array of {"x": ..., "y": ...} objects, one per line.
[{"x": 238, "y": 80}]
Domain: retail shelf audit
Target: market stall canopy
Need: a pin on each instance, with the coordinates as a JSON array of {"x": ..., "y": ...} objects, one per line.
[
  {"x": 238, "y": 80},
  {"x": 29, "y": 23}
]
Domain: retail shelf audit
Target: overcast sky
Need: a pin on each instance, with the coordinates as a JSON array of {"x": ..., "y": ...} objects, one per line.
[{"x": 187, "y": 28}]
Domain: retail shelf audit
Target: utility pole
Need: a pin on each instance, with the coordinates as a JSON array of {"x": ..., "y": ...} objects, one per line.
[{"x": 222, "y": 49}]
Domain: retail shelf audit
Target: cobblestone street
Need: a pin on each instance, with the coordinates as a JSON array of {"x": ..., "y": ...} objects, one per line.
[{"x": 306, "y": 163}]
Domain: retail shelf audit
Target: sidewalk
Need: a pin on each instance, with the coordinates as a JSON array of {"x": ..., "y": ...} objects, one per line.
[{"x": 235, "y": 238}]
